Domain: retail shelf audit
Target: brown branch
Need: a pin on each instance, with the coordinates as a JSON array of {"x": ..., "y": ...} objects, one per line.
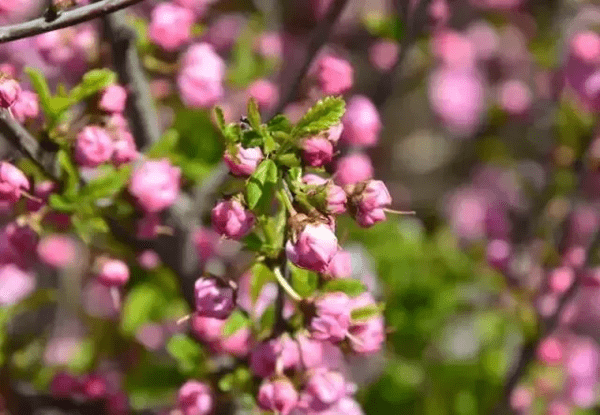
[{"x": 64, "y": 19}]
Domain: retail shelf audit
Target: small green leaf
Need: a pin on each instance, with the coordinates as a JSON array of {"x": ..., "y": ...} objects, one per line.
[
  {"x": 186, "y": 352},
  {"x": 106, "y": 185},
  {"x": 254, "y": 114},
  {"x": 261, "y": 183},
  {"x": 351, "y": 287},
  {"x": 138, "y": 307},
  {"x": 226, "y": 382},
  {"x": 304, "y": 282},
  {"x": 235, "y": 322},
  {"x": 254, "y": 192},
  {"x": 366, "y": 313},
  {"x": 323, "y": 115},
  {"x": 165, "y": 146},
  {"x": 72, "y": 177},
  {"x": 261, "y": 275},
  {"x": 289, "y": 160},
  {"x": 279, "y": 123},
  {"x": 40, "y": 85},
  {"x": 83, "y": 358},
  {"x": 253, "y": 242},
  {"x": 270, "y": 145},
  {"x": 265, "y": 325},
  {"x": 220, "y": 119},
  {"x": 61, "y": 204},
  {"x": 91, "y": 83}
]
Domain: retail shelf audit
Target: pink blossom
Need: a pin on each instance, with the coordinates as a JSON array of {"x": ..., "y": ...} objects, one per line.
[
  {"x": 12, "y": 183},
  {"x": 15, "y": 284},
  {"x": 498, "y": 253},
  {"x": 214, "y": 298},
  {"x": 200, "y": 80},
  {"x": 560, "y": 279},
  {"x": 383, "y": 54},
  {"x": 155, "y": 185},
  {"x": 278, "y": 395},
  {"x": 113, "y": 273},
  {"x": 205, "y": 242},
  {"x": 94, "y": 387},
  {"x": 323, "y": 389},
  {"x": 9, "y": 92},
  {"x": 265, "y": 357},
  {"x": 207, "y": 329},
  {"x": 198, "y": 6},
  {"x": 125, "y": 150},
  {"x": 340, "y": 265},
  {"x": 550, "y": 351},
  {"x": 18, "y": 245},
  {"x": 265, "y": 93},
  {"x": 231, "y": 219},
  {"x": 311, "y": 352},
  {"x": 26, "y": 106},
  {"x": 58, "y": 251},
  {"x": 454, "y": 49},
  {"x": 317, "y": 151},
  {"x": 371, "y": 203},
  {"x": 334, "y": 75},
  {"x": 238, "y": 344},
  {"x": 149, "y": 259},
  {"x": 113, "y": 99},
  {"x": 353, "y": 168},
  {"x": 93, "y": 146},
  {"x": 170, "y": 26},
  {"x": 225, "y": 31},
  {"x": 515, "y": 97},
  {"x": 362, "y": 123},
  {"x": 195, "y": 398},
  {"x": 148, "y": 227},
  {"x": 270, "y": 45},
  {"x": 63, "y": 385},
  {"x": 245, "y": 160},
  {"x": 314, "y": 248},
  {"x": 332, "y": 318}
]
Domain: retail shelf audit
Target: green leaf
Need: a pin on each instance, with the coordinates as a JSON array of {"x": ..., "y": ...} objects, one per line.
[
  {"x": 235, "y": 322},
  {"x": 40, "y": 85},
  {"x": 265, "y": 325},
  {"x": 106, "y": 185},
  {"x": 323, "y": 115},
  {"x": 220, "y": 119},
  {"x": 261, "y": 275},
  {"x": 165, "y": 146},
  {"x": 349, "y": 286},
  {"x": 72, "y": 176},
  {"x": 289, "y": 160},
  {"x": 83, "y": 358},
  {"x": 304, "y": 282},
  {"x": 61, "y": 204},
  {"x": 91, "y": 83},
  {"x": 366, "y": 313},
  {"x": 279, "y": 123},
  {"x": 261, "y": 184},
  {"x": 186, "y": 352},
  {"x": 150, "y": 386},
  {"x": 138, "y": 307},
  {"x": 254, "y": 114},
  {"x": 270, "y": 145}
]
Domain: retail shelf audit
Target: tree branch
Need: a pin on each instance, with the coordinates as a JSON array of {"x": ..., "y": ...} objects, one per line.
[
  {"x": 64, "y": 19},
  {"x": 141, "y": 109}
]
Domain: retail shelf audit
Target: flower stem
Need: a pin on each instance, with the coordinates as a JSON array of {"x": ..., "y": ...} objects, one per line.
[
  {"x": 285, "y": 198},
  {"x": 285, "y": 285}
]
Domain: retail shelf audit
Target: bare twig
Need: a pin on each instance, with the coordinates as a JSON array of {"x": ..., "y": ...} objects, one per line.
[
  {"x": 64, "y": 19},
  {"x": 140, "y": 107}
]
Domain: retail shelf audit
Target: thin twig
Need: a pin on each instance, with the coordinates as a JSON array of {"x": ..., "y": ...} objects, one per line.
[
  {"x": 64, "y": 19},
  {"x": 140, "y": 107}
]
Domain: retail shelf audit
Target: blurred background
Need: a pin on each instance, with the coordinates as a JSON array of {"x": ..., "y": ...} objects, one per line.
[{"x": 480, "y": 115}]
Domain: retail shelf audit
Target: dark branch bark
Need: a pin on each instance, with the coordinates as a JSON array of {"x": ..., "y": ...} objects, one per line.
[
  {"x": 65, "y": 19},
  {"x": 140, "y": 107}
]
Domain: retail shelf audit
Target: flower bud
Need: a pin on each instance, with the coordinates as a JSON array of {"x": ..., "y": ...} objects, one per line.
[
  {"x": 317, "y": 151},
  {"x": 214, "y": 298},
  {"x": 278, "y": 395},
  {"x": 15, "y": 284},
  {"x": 195, "y": 398},
  {"x": 314, "y": 248},
  {"x": 245, "y": 160},
  {"x": 232, "y": 220},
  {"x": 331, "y": 200},
  {"x": 58, "y": 251},
  {"x": 12, "y": 183},
  {"x": 125, "y": 150},
  {"x": 370, "y": 203},
  {"x": 26, "y": 106},
  {"x": 155, "y": 185},
  {"x": 340, "y": 265},
  {"x": 113, "y": 273},
  {"x": 310, "y": 352},
  {"x": 200, "y": 80},
  {"x": 266, "y": 355},
  {"x": 63, "y": 385},
  {"x": 9, "y": 92},
  {"x": 332, "y": 317},
  {"x": 354, "y": 168},
  {"x": 93, "y": 147},
  {"x": 207, "y": 329},
  {"x": 335, "y": 76},
  {"x": 170, "y": 26},
  {"x": 265, "y": 93},
  {"x": 324, "y": 388},
  {"x": 113, "y": 99},
  {"x": 361, "y": 122},
  {"x": 94, "y": 387}
]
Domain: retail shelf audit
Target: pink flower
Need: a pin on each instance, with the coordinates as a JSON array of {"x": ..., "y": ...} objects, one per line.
[
  {"x": 207, "y": 329},
  {"x": 113, "y": 99},
  {"x": 238, "y": 344},
  {"x": 332, "y": 318},
  {"x": 335, "y": 76},
  {"x": 9, "y": 92},
  {"x": 94, "y": 387},
  {"x": 200, "y": 80},
  {"x": 314, "y": 248},
  {"x": 15, "y": 284},
  {"x": 353, "y": 168},
  {"x": 560, "y": 279},
  {"x": 231, "y": 219},
  {"x": 335, "y": 199},
  {"x": 371, "y": 202},
  {"x": 214, "y": 298},
  {"x": 64, "y": 385},
  {"x": 368, "y": 337},
  {"x": 198, "y": 6},
  {"x": 206, "y": 242},
  {"x": 12, "y": 183},
  {"x": 58, "y": 251},
  {"x": 170, "y": 26},
  {"x": 324, "y": 389},
  {"x": 18, "y": 245},
  {"x": 195, "y": 398},
  {"x": 148, "y": 227},
  {"x": 266, "y": 355},
  {"x": 550, "y": 351},
  {"x": 270, "y": 45},
  {"x": 265, "y": 93},
  {"x": 383, "y": 54},
  {"x": 361, "y": 122},
  {"x": 113, "y": 273},
  {"x": 310, "y": 352},
  {"x": 155, "y": 185},
  {"x": 317, "y": 151},
  {"x": 245, "y": 161},
  {"x": 340, "y": 265},
  {"x": 124, "y": 149},
  {"x": 515, "y": 97},
  {"x": 26, "y": 106},
  {"x": 278, "y": 395},
  {"x": 149, "y": 259},
  {"x": 93, "y": 147}
]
